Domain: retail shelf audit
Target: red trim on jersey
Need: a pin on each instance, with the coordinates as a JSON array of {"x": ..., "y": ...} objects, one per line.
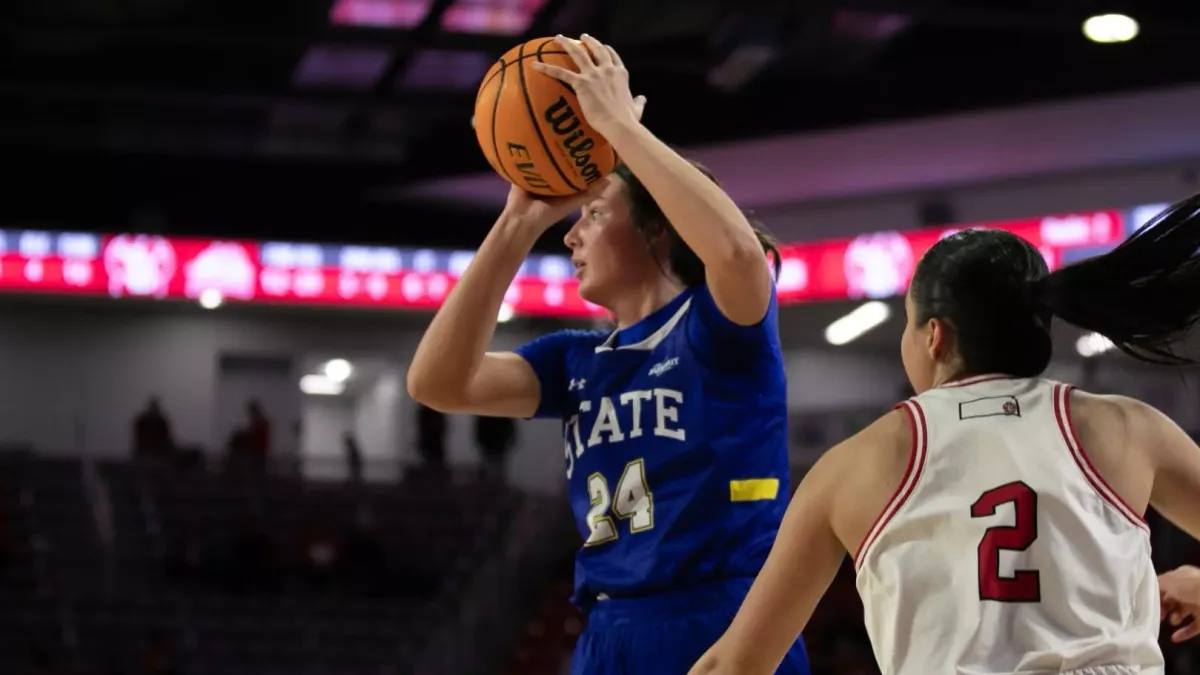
[
  {"x": 912, "y": 475},
  {"x": 974, "y": 379},
  {"x": 1062, "y": 413}
]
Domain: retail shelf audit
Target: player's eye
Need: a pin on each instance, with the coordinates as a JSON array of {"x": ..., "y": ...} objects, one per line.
[{"x": 594, "y": 214}]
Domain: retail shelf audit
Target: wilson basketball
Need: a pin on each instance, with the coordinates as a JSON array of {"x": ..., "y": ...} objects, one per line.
[{"x": 530, "y": 127}]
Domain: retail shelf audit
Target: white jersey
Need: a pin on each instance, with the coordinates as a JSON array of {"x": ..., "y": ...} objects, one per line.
[{"x": 1003, "y": 550}]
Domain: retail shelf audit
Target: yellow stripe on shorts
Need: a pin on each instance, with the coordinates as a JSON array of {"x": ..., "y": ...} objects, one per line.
[{"x": 753, "y": 489}]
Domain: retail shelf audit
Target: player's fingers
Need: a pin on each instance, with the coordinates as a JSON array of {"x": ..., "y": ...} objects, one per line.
[
  {"x": 575, "y": 202},
  {"x": 577, "y": 53},
  {"x": 596, "y": 50},
  {"x": 472, "y": 121},
  {"x": 1167, "y": 609},
  {"x": 616, "y": 58},
  {"x": 1187, "y": 632},
  {"x": 557, "y": 72}
]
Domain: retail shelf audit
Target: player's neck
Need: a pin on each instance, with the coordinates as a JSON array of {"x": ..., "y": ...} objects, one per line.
[
  {"x": 646, "y": 300},
  {"x": 947, "y": 373}
]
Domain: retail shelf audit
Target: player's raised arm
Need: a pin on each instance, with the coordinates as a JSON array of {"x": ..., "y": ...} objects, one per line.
[
  {"x": 451, "y": 370},
  {"x": 708, "y": 221}
]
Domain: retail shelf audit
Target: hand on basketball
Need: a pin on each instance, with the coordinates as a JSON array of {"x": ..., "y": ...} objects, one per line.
[
  {"x": 541, "y": 213},
  {"x": 1179, "y": 591},
  {"x": 602, "y": 84}
]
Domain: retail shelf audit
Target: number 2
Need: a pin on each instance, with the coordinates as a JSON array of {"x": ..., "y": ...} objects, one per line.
[
  {"x": 634, "y": 503},
  {"x": 1024, "y": 585}
]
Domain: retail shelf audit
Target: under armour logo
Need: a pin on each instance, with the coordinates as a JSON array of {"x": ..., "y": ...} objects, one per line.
[{"x": 576, "y": 385}]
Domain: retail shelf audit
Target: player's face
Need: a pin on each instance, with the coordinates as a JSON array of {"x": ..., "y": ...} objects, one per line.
[
  {"x": 914, "y": 350},
  {"x": 608, "y": 253}
]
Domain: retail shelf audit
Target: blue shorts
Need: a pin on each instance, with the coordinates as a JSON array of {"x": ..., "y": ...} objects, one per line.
[{"x": 666, "y": 633}]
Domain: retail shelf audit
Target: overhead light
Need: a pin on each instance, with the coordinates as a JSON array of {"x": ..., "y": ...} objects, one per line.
[
  {"x": 320, "y": 385},
  {"x": 1146, "y": 213},
  {"x": 338, "y": 370},
  {"x": 211, "y": 299},
  {"x": 852, "y": 326},
  {"x": 506, "y": 313},
  {"x": 1093, "y": 344},
  {"x": 1110, "y": 28}
]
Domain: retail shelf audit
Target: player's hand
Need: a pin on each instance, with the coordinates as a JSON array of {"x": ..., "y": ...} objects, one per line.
[
  {"x": 639, "y": 107},
  {"x": 541, "y": 213},
  {"x": 602, "y": 84},
  {"x": 1179, "y": 592}
]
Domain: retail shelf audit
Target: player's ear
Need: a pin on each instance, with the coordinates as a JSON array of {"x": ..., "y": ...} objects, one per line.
[{"x": 937, "y": 338}]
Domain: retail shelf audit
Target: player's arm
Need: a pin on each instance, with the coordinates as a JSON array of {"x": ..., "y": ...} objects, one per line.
[
  {"x": 709, "y": 222},
  {"x": 699, "y": 210},
  {"x": 803, "y": 562},
  {"x": 451, "y": 370},
  {"x": 1176, "y": 491}
]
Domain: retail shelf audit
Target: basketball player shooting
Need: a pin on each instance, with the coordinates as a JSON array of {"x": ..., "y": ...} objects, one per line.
[
  {"x": 996, "y": 518},
  {"x": 674, "y": 424}
]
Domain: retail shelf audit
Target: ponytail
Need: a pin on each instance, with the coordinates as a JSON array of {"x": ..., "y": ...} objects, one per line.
[
  {"x": 994, "y": 292},
  {"x": 1144, "y": 295}
]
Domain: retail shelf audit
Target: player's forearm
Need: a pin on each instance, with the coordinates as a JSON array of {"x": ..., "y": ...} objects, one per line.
[
  {"x": 707, "y": 220},
  {"x": 717, "y": 662},
  {"x": 455, "y": 341}
]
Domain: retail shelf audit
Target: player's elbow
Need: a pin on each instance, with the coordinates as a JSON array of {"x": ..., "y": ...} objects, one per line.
[
  {"x": 741, "y": 286},
  {"x": 709, "y": 664},
  {"x": 431, "y": 391}
]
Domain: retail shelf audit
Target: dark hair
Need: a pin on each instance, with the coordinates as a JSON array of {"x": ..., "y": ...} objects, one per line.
[
  {"x": 649, "y": 219},
  {"x": 996, "y": 294}
]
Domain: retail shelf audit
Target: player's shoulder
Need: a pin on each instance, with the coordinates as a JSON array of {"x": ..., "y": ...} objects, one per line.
[
  {"x": 867, "y": 463},
  {"x": 573, "y": 343},
  {"x": 1108, "y": 404},
  {"x": 1110, "y": 415},
  {"x": 574, "y": 337},
  {"x": 889, "y": 437}
]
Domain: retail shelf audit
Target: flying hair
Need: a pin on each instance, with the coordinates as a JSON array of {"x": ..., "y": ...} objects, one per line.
[
  {"x": 1144, "y": 295},
  {"x": 996, "y": 294}
]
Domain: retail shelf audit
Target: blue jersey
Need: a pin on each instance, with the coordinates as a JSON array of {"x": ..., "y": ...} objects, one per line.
[{"x": 676, "y": 445}]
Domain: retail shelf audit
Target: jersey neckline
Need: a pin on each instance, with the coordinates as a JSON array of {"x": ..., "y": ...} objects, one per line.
[
  {"x": 974, "y": 379},
  {"x": 649, "y": 325}
]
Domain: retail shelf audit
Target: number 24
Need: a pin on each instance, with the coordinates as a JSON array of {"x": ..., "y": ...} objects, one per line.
[{"x": 634, "y": 502}]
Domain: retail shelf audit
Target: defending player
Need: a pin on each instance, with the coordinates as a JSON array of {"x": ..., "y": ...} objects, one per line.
[
  {"x": 675, "y": 424},
  {"x": 1013, "y": 540}
]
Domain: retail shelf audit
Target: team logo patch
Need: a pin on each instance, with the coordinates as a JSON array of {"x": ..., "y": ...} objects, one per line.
[{"x": 990, "y": 406}]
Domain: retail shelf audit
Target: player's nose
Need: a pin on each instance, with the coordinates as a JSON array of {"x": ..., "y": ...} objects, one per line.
[{"x": 571, "y": 238}]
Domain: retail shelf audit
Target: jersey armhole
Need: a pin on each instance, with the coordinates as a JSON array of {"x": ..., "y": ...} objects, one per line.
[
  {"x": 912, "y": 475},
  {"x": 1062, "y": 414}
]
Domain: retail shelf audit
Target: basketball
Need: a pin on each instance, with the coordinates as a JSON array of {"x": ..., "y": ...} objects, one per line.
[{"x": 530, "y": 127}]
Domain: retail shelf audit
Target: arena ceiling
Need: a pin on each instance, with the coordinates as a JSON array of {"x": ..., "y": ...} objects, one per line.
[{"x": 296, "y": 119}]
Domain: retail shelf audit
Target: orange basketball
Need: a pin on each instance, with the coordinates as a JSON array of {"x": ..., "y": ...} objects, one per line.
[{"x": 530, "y": 127}]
